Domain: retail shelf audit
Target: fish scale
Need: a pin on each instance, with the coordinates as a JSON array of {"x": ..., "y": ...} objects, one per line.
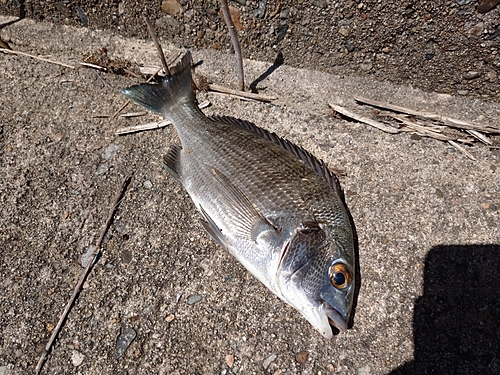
[{"x": 274, "y": 206}]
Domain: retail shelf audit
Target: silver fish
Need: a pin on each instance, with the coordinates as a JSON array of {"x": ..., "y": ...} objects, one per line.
[{"x": 271, "y": 204}]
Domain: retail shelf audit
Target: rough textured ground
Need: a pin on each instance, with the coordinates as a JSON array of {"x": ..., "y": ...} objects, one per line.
[
  {"x": 439, "y": 45},
  {"x": 426, "y": 217}
]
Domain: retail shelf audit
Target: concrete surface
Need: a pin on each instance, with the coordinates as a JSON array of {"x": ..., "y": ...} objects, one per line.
[{"x": 426, "y": 217}]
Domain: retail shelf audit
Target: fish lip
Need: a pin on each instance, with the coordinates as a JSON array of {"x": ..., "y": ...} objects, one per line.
[{"x": 334, "y": 317}]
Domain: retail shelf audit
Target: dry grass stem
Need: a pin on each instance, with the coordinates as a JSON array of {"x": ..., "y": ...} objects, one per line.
[
  {"x": 481, "y": 137},
  {"x": 158, "y": 46},
  {"x": 133, "y": 114},
  {"x": 462, "y": 150},
  {"x": 364, "y": 120},
  {"x": 448, "y": 121},
  {"x": 94, "y": 66},
  {"x": 235, "y": 42},
  {"x": 36, "y": 57},
  {"x": 152, "y": 125},
  {"x": 83, "y": 276}
]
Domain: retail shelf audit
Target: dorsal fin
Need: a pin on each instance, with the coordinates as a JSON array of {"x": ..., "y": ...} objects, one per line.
[{"x": 309, "y": 159}]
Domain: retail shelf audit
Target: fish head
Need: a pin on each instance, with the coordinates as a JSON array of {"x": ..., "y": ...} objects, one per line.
[{"x": 316, "y": 276}]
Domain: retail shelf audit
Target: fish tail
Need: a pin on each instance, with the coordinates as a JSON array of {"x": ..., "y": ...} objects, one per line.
[{"x": 160, "y": 97}]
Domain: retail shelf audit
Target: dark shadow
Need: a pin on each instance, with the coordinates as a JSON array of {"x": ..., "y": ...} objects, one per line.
[
  {"x": 456, "y": 322},
  {"x": 22, "y": 14},
  {"x": 277, "y": 63}
]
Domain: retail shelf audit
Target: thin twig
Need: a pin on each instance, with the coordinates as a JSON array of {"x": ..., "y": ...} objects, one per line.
[
  {"x": 422, "y": 130},
  {"x": 94, "y": 66},
  {"x": 143, "y": 127},
  {"x": 152, "y": 125},
  {"x": 83, "y": 276},
  {"x": 36, "y": 57},
  {"x": 243, "y": 94},
  {"x": 235, "y": 42},
  {"x": 158, "y": 46},
  {"x": 127, "y": 102},
  {"x": 480, "y": 137},
  {"x": 134, "y": 114},
  {"x": 365, "y": 120},
  {"x": 448, "y": 121},
  {"x": 462, "y": 150}
]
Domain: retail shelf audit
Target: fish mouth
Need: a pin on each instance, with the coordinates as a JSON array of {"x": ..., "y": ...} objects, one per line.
[{"x": 334, "y": 317}]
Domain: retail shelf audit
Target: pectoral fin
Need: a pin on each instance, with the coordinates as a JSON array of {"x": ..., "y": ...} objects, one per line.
[
  {"x": 246, "y": 218},
  {"x": 213, "y": 229}
]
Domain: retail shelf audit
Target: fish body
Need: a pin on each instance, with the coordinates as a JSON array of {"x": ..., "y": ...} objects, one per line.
[{"x": 271, "y": 204}]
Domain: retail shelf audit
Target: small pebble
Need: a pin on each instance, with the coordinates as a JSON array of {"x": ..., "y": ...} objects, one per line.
[
  {"x": 415, "y": 137},
  {"x": 284, "y": 14},
  {"x": 302, "y": 357},
  {"x": 170, "y": 318},
  {"x": 366, "y": 65},
  {"x": 110, "y": 151},
  {"x": 82, "y": 16},
  {"x": 126, "y": 256},
  {"x": 77, "y": 358},
  {"x": 439, "y": 193},
  {"x": 267, "y": 362},
  {"x": 87, "y": 255},
  {"x": 472, "y": 75},
  {"x": 344, "y": 31},
  {"x": 3, "y": 370},
  {"x": 147, "y": 184},
  {"x": 101, "y": 169},
  {"x": 261, "y": 10},
  {"x": 485, "y": 206},
  {"x": 491, "y": 76},
  {"x": 127, "y": 335},
  {"x": 170, "y": 7},
  {"x": 350, "y": 46},
  {"x": 194, "y": 299},
  {"x": 230, "y": 360},
  {"x": 477, "y": 29},
  {"x": 365, "y": 370}
]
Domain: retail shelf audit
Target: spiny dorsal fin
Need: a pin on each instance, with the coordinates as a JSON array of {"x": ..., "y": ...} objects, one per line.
[{"x": 308, "y": 158}]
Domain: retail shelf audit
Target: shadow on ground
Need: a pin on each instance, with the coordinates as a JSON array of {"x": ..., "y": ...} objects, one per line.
[{"x": 456, "y": 322}]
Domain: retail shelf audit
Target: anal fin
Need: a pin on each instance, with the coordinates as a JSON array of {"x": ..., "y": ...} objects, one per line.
[{"x": 171, "y": 161}]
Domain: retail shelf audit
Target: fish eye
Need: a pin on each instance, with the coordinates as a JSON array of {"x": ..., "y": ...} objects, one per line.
[{"x": 340, "y": 276}]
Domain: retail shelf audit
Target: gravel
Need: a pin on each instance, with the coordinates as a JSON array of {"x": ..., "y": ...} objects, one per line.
[
  {"x": 425, "y": 44},
  {"x": 426, "y": 220}
]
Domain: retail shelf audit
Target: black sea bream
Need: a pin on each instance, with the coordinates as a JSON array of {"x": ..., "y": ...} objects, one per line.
[{"x": 271, "y": 204}]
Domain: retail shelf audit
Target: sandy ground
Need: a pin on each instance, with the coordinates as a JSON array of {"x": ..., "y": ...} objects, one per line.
[{"x": 426, "y": 217}]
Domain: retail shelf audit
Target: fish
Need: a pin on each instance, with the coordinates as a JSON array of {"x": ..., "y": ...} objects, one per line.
[{"x": 271, "y": 204}]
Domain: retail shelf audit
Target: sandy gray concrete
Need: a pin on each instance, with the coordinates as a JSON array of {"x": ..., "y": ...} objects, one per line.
[{"x": 426, "y": 217}]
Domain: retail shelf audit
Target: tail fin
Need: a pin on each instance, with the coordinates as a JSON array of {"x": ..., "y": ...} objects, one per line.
[{"x": 160, "y": 97}]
